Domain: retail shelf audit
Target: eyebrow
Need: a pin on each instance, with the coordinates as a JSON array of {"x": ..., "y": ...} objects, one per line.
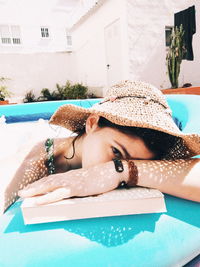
[{"x": 128, "y": 156}]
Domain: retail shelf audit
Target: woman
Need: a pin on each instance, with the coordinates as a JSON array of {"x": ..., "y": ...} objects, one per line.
[{"x": 127, "y": 139}]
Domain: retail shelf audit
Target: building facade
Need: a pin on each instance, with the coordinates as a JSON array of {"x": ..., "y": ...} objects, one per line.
[
  {"x": 126, "y": 39},
  {"x": 35, "y": 44},
  {"x": 97, "y": 43}
]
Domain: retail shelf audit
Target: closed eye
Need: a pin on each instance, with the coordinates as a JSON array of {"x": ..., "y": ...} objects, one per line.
[{"x": 116, "y": 152}]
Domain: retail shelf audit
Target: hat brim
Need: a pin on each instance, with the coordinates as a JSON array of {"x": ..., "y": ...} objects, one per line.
[{"x": 74, "y": 117}]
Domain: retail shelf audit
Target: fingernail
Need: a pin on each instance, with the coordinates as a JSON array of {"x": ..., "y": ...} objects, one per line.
[{"x": 26, "y": 193}]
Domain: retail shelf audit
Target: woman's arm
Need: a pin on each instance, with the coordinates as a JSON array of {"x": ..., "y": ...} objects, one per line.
[
  {"x": 19, "y": 171},
  {"x": 179, "y": 178},
  {"x": 80, "y": 182}
]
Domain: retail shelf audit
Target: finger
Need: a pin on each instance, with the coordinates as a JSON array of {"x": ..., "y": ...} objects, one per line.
[
  {"x": 33, "y": 191},
  {"x": 28, "y": 192},
  {"x": 54, "y": 196},
  {"x": 37, "y": 188}
]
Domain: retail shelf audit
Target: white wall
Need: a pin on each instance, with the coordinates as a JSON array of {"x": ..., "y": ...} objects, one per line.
[
  {"x": 89, "y": 43},
  {"x": 147, "y": 51},
  {"x": 35, "y": 72},
  {"x": 143, "y": 50},
  {"x": 142, "y": 46}
]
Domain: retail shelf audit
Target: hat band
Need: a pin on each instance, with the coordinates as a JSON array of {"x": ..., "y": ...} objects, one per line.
[{"x": 147, "y": 99}]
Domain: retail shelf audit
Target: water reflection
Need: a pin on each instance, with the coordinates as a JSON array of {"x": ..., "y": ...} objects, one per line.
[
  {"x": 114, "y": 231},
  {"x": 107, "y": 231}
]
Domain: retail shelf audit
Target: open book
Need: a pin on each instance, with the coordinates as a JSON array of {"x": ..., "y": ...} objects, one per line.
[{"x": 117, "y": 202}]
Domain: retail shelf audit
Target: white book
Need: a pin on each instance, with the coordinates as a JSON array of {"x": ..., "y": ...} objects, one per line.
[{"x": 135, "y": 200}]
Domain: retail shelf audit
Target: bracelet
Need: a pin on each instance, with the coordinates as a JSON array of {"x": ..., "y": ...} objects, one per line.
[
  {"x": 133, "y": 172},
  {"x": 119, "y": 168},
  {"x": 118, "y": 165}
]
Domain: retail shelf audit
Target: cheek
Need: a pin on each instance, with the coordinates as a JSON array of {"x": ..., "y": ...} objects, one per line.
[{"x": 94, "y": 153}]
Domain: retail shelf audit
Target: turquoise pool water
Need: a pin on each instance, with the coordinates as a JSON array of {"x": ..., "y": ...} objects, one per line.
[
  {"x": 35, "y": 111},
  {"x": 184, "y": 110}
]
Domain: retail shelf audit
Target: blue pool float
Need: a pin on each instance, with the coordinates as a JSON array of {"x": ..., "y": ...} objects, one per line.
[{"x": 150, "y": 240}]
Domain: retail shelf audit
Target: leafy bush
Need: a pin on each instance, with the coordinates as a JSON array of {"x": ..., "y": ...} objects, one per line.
[
  {"x": 46, "y": 95},
  {"x": 29, "y": 97},
  {"x": 70, "y": 91},
  {"x": 4, "y": 92},
  {"x": 79, "y": 91},
  {"x": 62, "y": 92}
]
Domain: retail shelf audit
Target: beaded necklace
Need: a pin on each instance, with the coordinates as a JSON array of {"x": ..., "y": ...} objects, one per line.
[{"x": 49, "y": 148}]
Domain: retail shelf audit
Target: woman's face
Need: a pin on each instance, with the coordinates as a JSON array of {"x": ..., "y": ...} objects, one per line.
[{"x": 101, "y": 145}]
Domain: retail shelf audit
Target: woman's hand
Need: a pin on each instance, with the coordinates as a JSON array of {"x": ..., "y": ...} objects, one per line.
[{"x": 80, "y": 182}]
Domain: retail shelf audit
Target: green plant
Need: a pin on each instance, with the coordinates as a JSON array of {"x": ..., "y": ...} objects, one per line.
[
  {"x": 72, "y": 91},
  {"x": 62, "y": 92},
  {"x": 175, "y": 55},
  {"x": 4, "y": 92},
  {"x": 79, "y": 91},
  {"x": 29, "y": 97},
  {"x": 46, "y": 95}
]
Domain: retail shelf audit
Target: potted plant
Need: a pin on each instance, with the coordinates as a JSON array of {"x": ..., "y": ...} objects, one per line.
[
  {"x": 4, "y": 92},
  {"x": 175, "y": 55}
]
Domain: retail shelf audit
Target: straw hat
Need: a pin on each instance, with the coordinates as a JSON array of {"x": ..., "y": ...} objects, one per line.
[{"x": 132, "y": 103}]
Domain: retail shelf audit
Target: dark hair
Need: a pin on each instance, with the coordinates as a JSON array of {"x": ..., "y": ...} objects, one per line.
[{"x": 159, "y": 143}]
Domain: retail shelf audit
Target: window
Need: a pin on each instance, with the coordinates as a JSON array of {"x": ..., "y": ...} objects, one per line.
[
  {"x": 15, "y": 30},
  {"x": 168, "y": 32},
  {"x": 44, "y": 32},
  {"x": 5, "y": 34},
  {"x": 10, "y": 34}
]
